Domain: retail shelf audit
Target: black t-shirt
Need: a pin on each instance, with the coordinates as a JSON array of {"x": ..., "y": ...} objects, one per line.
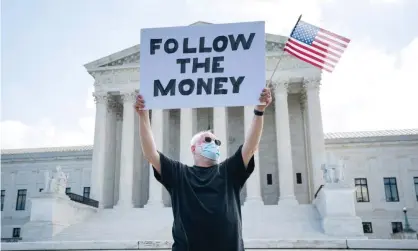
[{"x": 206, "y": 203}]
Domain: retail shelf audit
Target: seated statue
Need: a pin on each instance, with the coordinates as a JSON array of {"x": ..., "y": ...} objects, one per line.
[
  {"x": 56, "y": 183},
  {"x": 333, "y": 173}
]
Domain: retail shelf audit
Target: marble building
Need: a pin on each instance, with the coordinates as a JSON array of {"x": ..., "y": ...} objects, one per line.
[{"x": 381, "y": 166}]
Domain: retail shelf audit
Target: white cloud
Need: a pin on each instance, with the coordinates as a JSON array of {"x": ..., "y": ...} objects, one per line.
[
  {"x": 371, "y": 90},
  {"x": 385, "y": 1},
  {"x": 280, "y": 16},
  {"x": 16, "y": 134}
]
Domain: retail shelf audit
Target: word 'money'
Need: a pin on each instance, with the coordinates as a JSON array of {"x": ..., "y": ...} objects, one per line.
[{"x": 211, "y": 64}]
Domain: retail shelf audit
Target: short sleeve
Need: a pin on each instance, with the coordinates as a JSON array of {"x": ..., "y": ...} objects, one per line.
[
  {"x": 236, "y": 169},
  {"x": 170, "y": 172}
]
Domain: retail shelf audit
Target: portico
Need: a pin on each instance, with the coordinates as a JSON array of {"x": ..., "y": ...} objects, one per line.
[
  {"x": 108, "y": 164},
  {"x": 121, "y": 178}
]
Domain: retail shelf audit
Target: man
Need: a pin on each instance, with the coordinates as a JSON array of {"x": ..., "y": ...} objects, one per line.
[{"x": 205, "y": 197}]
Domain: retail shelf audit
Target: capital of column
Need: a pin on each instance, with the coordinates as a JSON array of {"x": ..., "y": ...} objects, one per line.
[
  {"x": 111, "y": 104},
  {"x": 119, "y": 112},
  {"x": 311, "y": 84},
  {"x": 101, "y": 97},
  {"x": 302, "y": 100},
  {"x": 281, "y": 86},
  {"x": 128, "y": 97}
]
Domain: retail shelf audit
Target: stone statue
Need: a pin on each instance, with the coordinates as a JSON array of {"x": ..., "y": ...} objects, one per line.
[
  {"x": 57, "y": 183},
  {"x": 340, "y": 171},
  {"x": 333, "y": 173},
  {"x": 326, "y": 173}
]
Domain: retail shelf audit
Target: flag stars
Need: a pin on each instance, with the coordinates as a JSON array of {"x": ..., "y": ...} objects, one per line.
[{"x": 305, "y": 33}]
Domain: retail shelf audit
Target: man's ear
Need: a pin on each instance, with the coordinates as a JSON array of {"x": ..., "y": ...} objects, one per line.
[{"x": 193, "y": 148}]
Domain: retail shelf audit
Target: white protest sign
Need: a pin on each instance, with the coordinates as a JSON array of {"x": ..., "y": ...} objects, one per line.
[{"x": 202, "y": 66}]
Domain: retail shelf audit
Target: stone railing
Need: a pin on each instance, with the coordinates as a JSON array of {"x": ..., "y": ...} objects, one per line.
[
  {"x": 317, "y": 191},
  {"x": 83, "y": 200},
  {"x": 11, "y": 239}
]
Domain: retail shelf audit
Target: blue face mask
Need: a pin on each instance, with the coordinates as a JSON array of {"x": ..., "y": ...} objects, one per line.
[{"x": 209, "y": 150}]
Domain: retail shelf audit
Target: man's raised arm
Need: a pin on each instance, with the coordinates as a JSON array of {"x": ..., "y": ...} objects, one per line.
[
  {"x": 253, "y": 137},
  {"x": 149, "y": 148}
]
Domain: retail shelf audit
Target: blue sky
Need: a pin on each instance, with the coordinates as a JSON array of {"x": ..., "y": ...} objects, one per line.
[{"x": 46, "y": 92}]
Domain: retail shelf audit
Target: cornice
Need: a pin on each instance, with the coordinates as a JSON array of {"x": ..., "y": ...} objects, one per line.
[
  {"x": 121, "y": 68},
  {"x": 116, "y": 77},
  {"x": 131, "y": 59},
  {"x": 115, "y": 57},
  {"x": 381, "y": 134},
  {"x": 27, "y": 158},
  {"x": 85, "y": 152},
  {"x": 287, "y": 62},
  {"x": 384, "y": 141},
  {"x": 32, "y": 155}
]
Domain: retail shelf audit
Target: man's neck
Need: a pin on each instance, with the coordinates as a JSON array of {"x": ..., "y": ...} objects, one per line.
[{"x": 204, "y": 162}]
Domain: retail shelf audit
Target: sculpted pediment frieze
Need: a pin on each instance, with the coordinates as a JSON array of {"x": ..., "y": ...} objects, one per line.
[
  {"x": 287, "y": 62},
  {"x": 274, "y": 46},
  {"x": 131, "y": 59}
]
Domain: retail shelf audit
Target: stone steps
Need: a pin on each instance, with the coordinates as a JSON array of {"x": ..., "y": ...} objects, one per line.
[
  {"x": 266, "y": 245},
  {"x": 259, "y": 222}
]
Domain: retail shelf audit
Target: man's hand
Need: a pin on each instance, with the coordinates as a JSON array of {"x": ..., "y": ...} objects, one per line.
[
  {"x": 140, "y": 105},
  {"x": 265, "y": 98}
]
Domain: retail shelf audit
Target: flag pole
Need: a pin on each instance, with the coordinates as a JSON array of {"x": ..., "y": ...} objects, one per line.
[
  {"x": 293, "y": 30},
  {"x": 280, "y": 59}
]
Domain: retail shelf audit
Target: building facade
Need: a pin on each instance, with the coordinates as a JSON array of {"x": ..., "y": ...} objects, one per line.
[{"x": 383, "y": 166}]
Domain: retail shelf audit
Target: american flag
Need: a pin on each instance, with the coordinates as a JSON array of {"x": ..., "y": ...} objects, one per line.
[{"x": 316, "y": 46}]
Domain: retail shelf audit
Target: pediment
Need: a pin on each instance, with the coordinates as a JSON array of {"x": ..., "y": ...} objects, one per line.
[
  {"x": 123, "y": 57},
  {"x": 199, "y": 23},
  {"x": 130, "y": 56}
]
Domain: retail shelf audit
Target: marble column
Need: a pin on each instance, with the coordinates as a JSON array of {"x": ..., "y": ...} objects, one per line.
[
  {"x": 302, "y": 100},
  {"x": 315, "y": 131},
  {"x": 99, "y": 150},
  {"x": 137, "y": 188},
  {"x": 110, "y": 154},
  {"x": 253, "y": 183},
  {"x": 187, "y": 124},
  {"x": 119, "y": 123},
  {"x": 220, "y": 129},
  {"x": 155, "y": 188},
  {"x": 127, "y": 152},
  {"x": 284, "y": 146}
]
